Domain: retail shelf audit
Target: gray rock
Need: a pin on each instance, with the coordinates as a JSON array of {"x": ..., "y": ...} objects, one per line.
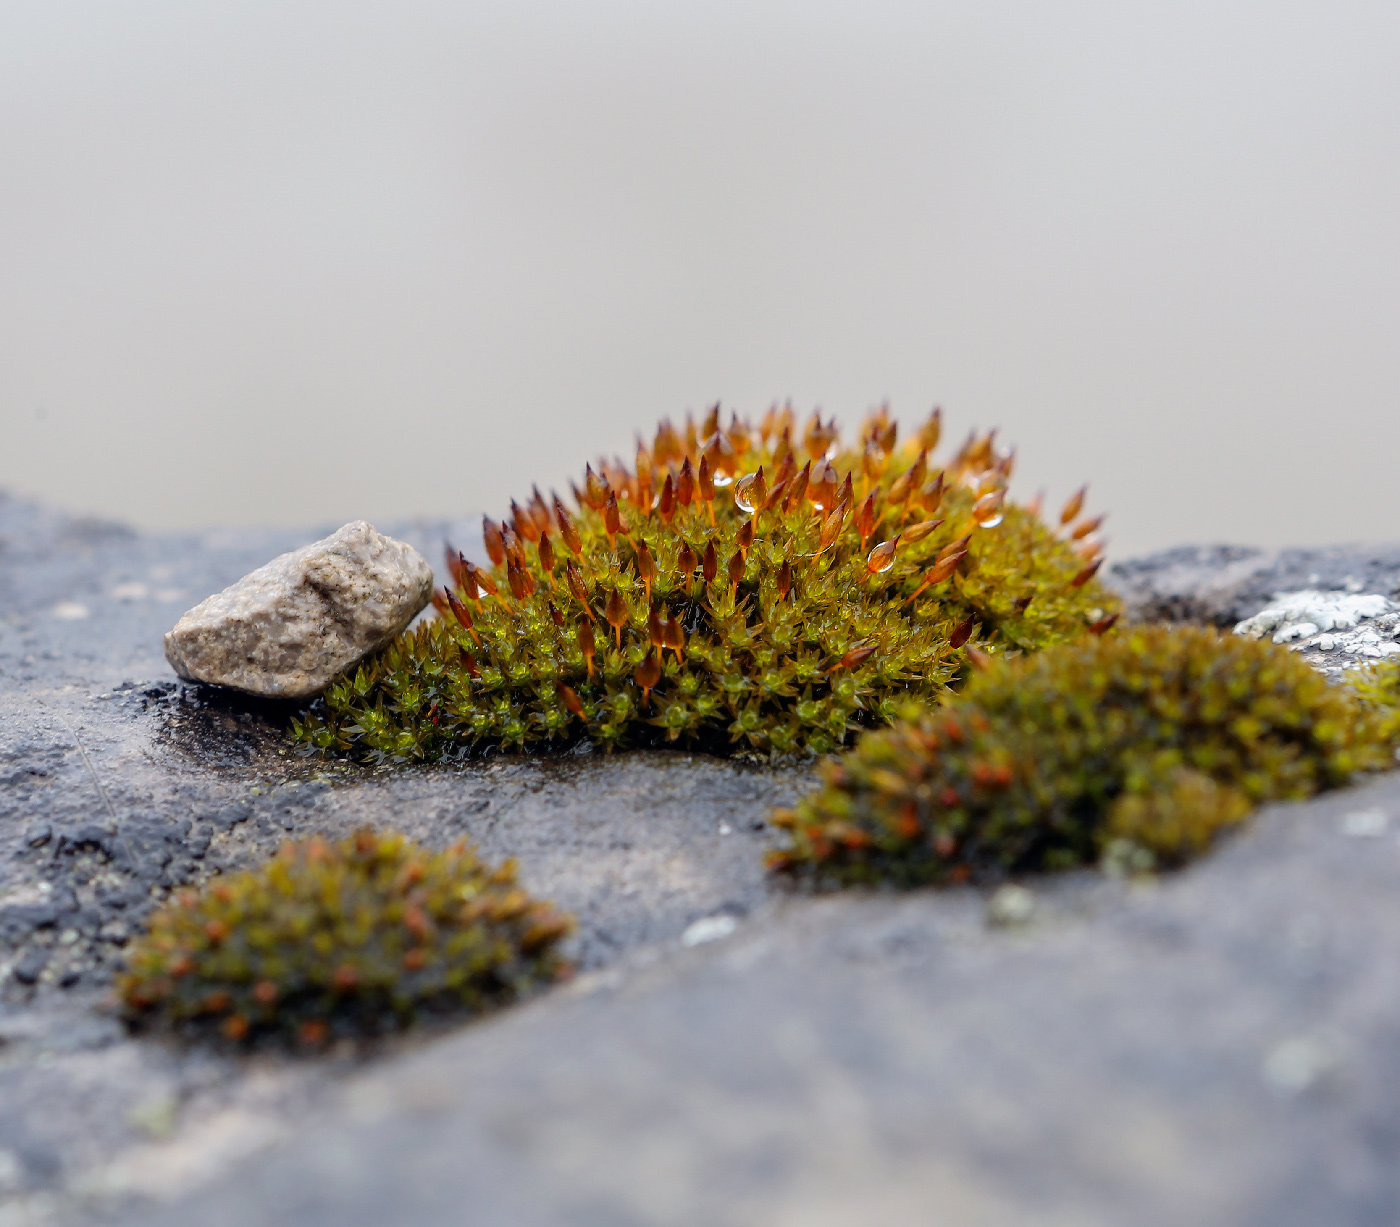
[
  {"x": 286, "y": 630},
  {"x": 1225, "y": 584},
  {"x": 1218, "y": 1047}
]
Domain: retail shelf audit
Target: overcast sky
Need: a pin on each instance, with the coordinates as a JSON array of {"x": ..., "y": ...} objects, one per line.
[{"x": 296, "y": 263}]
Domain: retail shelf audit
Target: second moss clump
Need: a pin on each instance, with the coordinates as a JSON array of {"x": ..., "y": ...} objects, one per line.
[
  {"x": 350, "y": 938},
  {"x": 759, "y": 588},
  {"x": 1146, "y": 743}
]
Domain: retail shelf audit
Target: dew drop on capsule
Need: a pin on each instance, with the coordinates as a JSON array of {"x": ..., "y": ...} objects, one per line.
[
  {"x": 743, "y": 493},
  {"x": 881, "y": 558},
  {"x": 988, "y": 510}
]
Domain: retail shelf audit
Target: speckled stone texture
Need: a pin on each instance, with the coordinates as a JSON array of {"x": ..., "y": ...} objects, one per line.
[
  {"x": 1219, "y": 1047},
  {"x": 286, "y": 630}
]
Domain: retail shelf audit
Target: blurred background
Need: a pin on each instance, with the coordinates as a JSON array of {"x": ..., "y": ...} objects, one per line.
[{"x": 293, "y": 263}]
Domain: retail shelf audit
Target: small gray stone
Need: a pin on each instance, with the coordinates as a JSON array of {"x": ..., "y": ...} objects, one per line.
[{"x": 286, "y": 630}]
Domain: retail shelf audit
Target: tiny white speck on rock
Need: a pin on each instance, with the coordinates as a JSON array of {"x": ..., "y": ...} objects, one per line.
[
  {"x": 1010, "y": 905},
  {"x": 1365, "y": 824},
  {"x": 708, "y": 929}
]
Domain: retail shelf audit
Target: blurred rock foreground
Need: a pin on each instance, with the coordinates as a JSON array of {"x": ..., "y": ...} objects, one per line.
[{"x": 1216, "y": 1047}]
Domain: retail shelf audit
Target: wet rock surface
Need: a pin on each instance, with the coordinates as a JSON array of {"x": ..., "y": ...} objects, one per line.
[
  {"x": 1217, "y": 1047},
  {"x": 287, "y": 629}
]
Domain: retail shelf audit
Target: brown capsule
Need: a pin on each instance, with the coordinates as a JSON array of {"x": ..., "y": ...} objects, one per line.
[
  {"x": 686, "y": 562},
  {"x": 454, "y": 564},
  {"x": 822, "y": 491},
  {"x": 954, "y": 547},
  {"x": 881, "y": 558},
  {"x": 818, "y": 438},
  {"x": 555, "y": 616},
  {"x": 1022, "y": 604},
  {"x": 709, "y": 567},
  {"x": 1076, "y": 503},
  {"x": 567, "y": 529},
  {"x": 784, "y": 580},
  {"x": 831, "y": 526},
  {"x": 569, "y": 697},
  {"x": 961, "y": 633},
  {"x": 1083, "y": 530},
  {"x": 595, "y": 489},
  {"x": 798, "y": 490},
  {"x": 736, "y": 569},
  {"x": 440, "y": 604},
  {"x": 776, "y": 495},
  {"x": 705, "y": 481},
  {"x": 656, "y": 629},
  {"x": 578, "y": 587},
  {"x": 459, "y": 611},
  {"x": 721, "y": 454},
  {"x": 932, "y": 494},
  {"x": 522, "y": 585},
  {"x": 524, "y": 523},
  {"x": 586, "y": 644},
  {"x": 856, "y": 657},
  {"x": 539, "y": 509},
  {"x": 475, "y": 578},
  {"x": 617, "y": 612},
  {"x": 917, "y": 532},
  {"x": 865, "y": 519},
  {"x": 1086, "y": 574},
  {"x": 738, "y": 434},
  {"x": 495, "y": 543},
  {"x": 710, "y": 423},
  {"x": 931, "y": 431},
  {"x": 646, "y": 567},
  {"x": 786, "y": 468},
  {"x": 666, "y": 502},
  {"x": 675, "y": 636},
  {"x": 648, "y": 673},
  {"x": 468, "y": 662},
  {"x": 685, "y": 484},
  {"x": 873, "y": 461},
  {"x": 750, "y": 492},
  {"x": 744, "y": 537},
  {"x": 1034, "y": 507},
  {"x": 847, "y": 494},
  {"x": 1102, "y": 625},
  {"x": 546, "y": 550},
  {"x": 612, "y": 519}
]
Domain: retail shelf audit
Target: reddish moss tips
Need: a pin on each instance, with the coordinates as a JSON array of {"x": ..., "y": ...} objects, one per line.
[
  {"x": 708, "y": 593},
  {"x": 352, "y": 938},
  {"x": 1139, "y": 746}
]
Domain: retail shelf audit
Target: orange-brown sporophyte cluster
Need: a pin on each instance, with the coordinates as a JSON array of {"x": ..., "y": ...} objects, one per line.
[{"x": 761, "y": 587}]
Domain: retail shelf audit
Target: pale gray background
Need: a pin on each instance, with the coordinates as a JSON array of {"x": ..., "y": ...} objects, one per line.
[{"x": 291, "y": 262}]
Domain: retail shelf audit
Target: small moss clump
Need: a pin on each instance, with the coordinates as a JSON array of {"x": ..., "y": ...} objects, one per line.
[
  {"x": 752, "y": 588},
  {"x": 351, "y": 938},
  {"x": 1142, "y": 745}
]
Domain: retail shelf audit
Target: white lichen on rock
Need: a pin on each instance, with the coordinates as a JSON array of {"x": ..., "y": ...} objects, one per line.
[
  {"x": 289, "y": 628},
  {"x": 1332, "y": 629}
]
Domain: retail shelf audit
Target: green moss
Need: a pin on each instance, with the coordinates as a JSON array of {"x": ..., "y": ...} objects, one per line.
[
  {"x": 348, "y": 938},
  {"x": 1149, "y": 742},
  {"x": 735, "y": 589},
  {"x": 1378, "y": 687}
]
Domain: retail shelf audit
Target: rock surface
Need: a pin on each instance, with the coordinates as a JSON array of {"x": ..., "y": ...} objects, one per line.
[
  {"x": 1218, "y": 1047},
  {"x": 287, "y": 629}
]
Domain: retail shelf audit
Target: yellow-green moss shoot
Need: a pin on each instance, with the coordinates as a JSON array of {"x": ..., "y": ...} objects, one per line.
[
  {"x": 351, "y": 938},
  {"x": 745, "y": 587},
  {"x": 1145, "y": 743}
]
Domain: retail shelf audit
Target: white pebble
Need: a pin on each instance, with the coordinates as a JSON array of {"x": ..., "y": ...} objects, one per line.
[{"x": 1010, "y": 905}]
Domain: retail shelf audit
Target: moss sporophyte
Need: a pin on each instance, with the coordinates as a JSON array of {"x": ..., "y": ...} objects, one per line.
[
  {"x": 1139, "y": 746},
  {"x": 350, "y": 938},
  {"x": 744, "y": 587}
]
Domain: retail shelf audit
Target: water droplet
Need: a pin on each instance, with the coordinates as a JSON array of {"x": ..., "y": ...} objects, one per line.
[
  {"x": 882, "y": 557},
  {"x": 743, "y": 494}
]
